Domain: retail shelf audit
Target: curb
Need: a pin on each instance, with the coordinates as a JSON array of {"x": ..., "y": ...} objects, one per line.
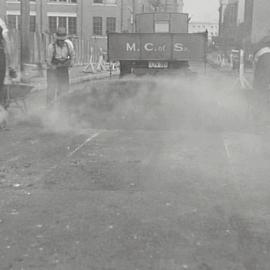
[
  {"x": 94, "y": 77},
  {"x": 77, "y": 80}
]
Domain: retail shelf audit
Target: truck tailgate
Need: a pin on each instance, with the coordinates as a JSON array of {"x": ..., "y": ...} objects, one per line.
[{"x": 157, "y": 46}]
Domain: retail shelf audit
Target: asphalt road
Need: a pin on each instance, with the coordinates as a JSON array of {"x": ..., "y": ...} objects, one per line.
[{"x": 162, "y": 174}]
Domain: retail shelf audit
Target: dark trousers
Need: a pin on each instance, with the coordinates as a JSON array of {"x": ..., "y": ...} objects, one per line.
[
  {"x": 57, "y": 83},
  {"x": 262, "y": 73},
  {"x": 2, "y": 77}
]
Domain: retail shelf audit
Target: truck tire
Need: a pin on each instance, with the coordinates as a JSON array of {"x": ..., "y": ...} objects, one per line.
[{"x": 125, "y": 68}]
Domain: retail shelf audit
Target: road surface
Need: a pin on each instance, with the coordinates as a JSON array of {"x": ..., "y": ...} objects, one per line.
[{"x": 136, "y": 174}]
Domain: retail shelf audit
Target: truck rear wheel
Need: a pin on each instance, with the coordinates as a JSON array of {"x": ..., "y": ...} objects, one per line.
[{"x": 125, "y": 68}]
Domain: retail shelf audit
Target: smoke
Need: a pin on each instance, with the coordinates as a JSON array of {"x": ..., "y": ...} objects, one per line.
[
  {"x": 211, "y": 102},
  {"x": 3, "y": 117},
  {"x": 157, "y": 103}
]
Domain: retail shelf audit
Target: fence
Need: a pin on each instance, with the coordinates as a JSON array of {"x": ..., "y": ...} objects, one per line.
[{"x": 38, "y": 44}]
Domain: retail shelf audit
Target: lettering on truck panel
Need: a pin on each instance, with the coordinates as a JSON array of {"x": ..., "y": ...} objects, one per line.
[
  {"x": 150, "y": 47},
  {"x": 131, "y": 47},
  {"x": 179, "y": 47}
]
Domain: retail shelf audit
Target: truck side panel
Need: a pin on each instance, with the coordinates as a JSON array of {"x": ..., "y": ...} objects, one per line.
[
  {"x": 196, "y": 44},
  {"x": 155, "y": 46},
  {"x": 163, "y": 47}
]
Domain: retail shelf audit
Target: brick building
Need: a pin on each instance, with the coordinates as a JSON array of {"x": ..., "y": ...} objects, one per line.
[
  {"x": 210, "y": 27},
  {"x": 162, "y": 5},
  {"x": 82, "y": 18}
]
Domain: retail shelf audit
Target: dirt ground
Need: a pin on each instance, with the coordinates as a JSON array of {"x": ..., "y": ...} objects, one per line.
[{"x": 162, "y": 174}]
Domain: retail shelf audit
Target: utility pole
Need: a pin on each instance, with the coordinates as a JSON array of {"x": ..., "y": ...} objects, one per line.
[
  {"x": 133, "y": 15},
  {"x": 2, "y": 9},
  {"x": 39, "y": 27},
  {"x": 122, "y": 15},
  {"x": 25, "y": 29}
]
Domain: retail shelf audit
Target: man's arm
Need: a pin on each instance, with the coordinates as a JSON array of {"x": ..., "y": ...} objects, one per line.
[{"x": 71, "y": 51}]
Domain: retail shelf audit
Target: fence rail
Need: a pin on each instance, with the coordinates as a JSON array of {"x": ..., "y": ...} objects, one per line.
[{"x": 38, "y": 44}]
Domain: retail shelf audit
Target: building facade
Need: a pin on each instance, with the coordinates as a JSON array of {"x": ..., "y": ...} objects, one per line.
[
  {"x": 198, "y": 27},
  {"x": 82, "y": 18},
  {"x": 161, "y": 5},
  {"x": 237, "y": 20}
]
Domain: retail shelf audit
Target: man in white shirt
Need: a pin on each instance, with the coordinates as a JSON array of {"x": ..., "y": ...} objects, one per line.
[{"x": 61, "y": 56}]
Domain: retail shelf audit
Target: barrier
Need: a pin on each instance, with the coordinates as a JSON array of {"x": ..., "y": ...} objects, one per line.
[
  {"x": 101, "y": 65},
  {"x": 242, "y": 79},
  {"x": 90, "y": 68}
]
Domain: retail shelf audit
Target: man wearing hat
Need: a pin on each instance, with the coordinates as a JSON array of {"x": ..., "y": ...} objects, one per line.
[{"x": 61, "y": 56}]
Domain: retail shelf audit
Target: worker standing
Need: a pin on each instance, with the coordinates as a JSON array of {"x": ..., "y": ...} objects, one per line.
[
  {"x": 5, "y": 60},
  {"x": 261, "y": 81},
  {"x": 61, "y": 56},
  {"x": 262, "y": 65}
]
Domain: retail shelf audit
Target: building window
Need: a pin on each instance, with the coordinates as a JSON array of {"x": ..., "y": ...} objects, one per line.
[
  {"x": 111, "y": 24},
  {"x": 32, "y": 23},
  {"x": 62, "y": 22},
  {"x": 12, "y": 21},
  {"x": 64, "y": 1},
  {"x": 97, "y": 26},
  {"x": 72, "y": 25},
  {"x": 69, "y": 23},
  {"x": 105, "y": 2},
  {"x": 52, "y": 24}
]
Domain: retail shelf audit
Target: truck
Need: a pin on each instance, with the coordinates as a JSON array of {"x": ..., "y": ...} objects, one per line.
[{"x": 160, "y": 42}]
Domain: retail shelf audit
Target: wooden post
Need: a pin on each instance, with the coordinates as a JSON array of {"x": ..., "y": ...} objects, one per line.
[
  {"x": 25, "y": 29},
  {"x": 133, "y": 15},
  {"x": 122, "y": 15},
  {"x": 242, "y": 68},
  {"x": 39, "y": 27}
]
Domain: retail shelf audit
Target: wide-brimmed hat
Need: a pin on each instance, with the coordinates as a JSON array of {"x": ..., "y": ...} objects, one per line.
[{"x": 61, "y": 34}]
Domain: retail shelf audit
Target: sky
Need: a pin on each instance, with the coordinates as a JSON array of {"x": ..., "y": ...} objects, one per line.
[{"x": 202, "y": 10}]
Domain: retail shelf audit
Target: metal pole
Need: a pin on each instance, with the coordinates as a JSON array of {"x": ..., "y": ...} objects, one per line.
[
  {"x": 242, "y": 69},
  {"x": 81, "y": 19},
  {"x": 39, "y": 28},
  {"x": 25, "y": 29},
  {"x": 133, "y": 15},
  {"x": 122, "y": 15}
]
